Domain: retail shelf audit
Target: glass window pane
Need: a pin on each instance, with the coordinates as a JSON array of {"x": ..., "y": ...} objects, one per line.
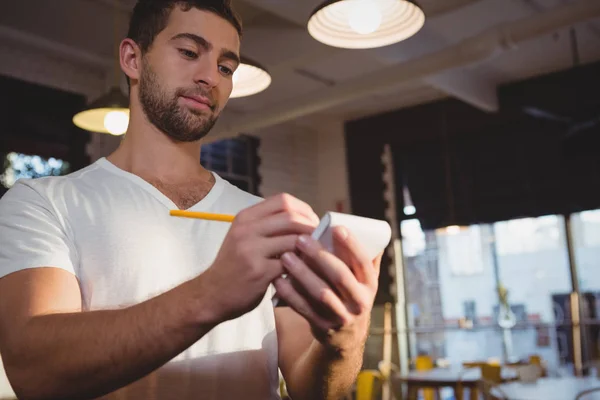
[
  {"x": 233, "y": 160},
  {"x": 585, "y": 227},
  {"x": 586, "y": 237},
  {"x": 533, "y": 264},
  {"x": 238, "y": 151},
  {"x": 488, "y": 291}
]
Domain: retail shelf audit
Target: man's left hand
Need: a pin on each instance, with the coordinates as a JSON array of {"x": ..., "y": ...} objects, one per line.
[{"x": 334, "y": 292}]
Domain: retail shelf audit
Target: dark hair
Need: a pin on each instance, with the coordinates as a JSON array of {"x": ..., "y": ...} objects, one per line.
[{"x": 150, "y": 17}]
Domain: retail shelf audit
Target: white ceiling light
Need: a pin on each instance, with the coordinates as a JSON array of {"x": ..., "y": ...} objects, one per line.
[
  {"x": 363, "y": 24},
  {"x": 249, "y": 78},
  {"x": 108, "y": 114}
]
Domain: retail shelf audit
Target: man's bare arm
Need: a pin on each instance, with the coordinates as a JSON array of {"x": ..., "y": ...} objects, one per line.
[
  {"x": 50, "y": 353},
  {"x": 310, "y": 369},
  {"x": 320, "y": 354}
]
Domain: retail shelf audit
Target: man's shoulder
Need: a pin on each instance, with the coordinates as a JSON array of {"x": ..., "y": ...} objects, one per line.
[
  {"x": 46, "y": 187},
  {"x": 238, "y": 196}
]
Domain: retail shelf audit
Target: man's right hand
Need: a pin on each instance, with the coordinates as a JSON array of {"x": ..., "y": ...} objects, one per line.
[{"x": 248, "y": 260}]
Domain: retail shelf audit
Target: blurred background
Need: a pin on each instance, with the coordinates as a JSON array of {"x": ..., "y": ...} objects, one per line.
[{"x": 474, "y": 131}]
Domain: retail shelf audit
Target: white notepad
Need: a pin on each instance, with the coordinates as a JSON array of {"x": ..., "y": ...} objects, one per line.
[{"x": 373, "y": 234}]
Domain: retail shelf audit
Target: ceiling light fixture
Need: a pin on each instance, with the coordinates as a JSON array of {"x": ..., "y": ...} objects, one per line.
[
  {"x": 363, "y": 24},
  {"x": 108, "y": 114},
  {"x": 249, "y": 78}
]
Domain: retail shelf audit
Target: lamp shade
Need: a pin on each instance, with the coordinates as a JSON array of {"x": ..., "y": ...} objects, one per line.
[
  {"x": 363, "y": 24},
  {"x": 108, "y": 114},
  {"x": 249, "y": 78}
]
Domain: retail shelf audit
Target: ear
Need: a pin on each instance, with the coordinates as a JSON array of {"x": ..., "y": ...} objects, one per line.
[{"x": 130, "y": 56}]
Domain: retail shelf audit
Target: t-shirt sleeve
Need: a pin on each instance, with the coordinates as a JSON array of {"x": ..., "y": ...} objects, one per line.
[{"x": 31, "y": 234}]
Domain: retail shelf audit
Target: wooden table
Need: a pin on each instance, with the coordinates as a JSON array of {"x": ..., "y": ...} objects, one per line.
[
  {"x": 456, "y": 378},
  {"x": 565, "y": 388}
]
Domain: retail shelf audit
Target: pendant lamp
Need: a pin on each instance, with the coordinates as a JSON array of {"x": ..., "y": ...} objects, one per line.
[
  {"x": 249, "y": 78},
  {"x": 107, "y": 114},
  {"x": 452, "y": 228},
  {"x": 409, "y": 207},
  {"x": 110, "y": 112},
  {"x": 363, "y": 24}
]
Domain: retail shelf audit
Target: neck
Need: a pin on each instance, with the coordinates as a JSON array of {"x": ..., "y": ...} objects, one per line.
[{"x": 147, "y": 152}]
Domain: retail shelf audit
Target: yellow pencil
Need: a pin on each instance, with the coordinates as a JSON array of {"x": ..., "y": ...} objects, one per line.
[{"x": 202, "y": 215}]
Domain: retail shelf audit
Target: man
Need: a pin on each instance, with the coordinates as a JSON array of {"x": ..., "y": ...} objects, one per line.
[{"x": 103, "y": 294}]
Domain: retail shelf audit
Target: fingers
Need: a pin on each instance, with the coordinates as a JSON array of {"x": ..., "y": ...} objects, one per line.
[
  {"x": 353, "y": 254},
  {"x": 332, "y": 269},
  {"x": 272, "y": 270},
  {"x": 318, "y": 291},
  {"x": 289, "y": 294},
  {"x": 277, "y": 204},
  {"x": 344, "y": 254},
  {"x": 285, "y": 223},
  {"x": 276, "y": 246}
]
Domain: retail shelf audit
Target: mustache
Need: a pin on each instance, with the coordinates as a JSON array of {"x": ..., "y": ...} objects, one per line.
[{"x": 198, "y": 92}]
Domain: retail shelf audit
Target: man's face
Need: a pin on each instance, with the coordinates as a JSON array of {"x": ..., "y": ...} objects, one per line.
[{"x": 186, "y": 75}]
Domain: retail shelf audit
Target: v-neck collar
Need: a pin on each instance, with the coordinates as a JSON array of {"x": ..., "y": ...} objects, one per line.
[{"x": 205, "y": 203}]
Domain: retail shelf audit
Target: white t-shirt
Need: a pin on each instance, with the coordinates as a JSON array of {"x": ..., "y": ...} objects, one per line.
[{"x": 113, "y": 231}]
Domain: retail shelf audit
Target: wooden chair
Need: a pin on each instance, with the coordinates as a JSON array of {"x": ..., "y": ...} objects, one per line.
[
  {"x": 490, "y": 375},
  {"x": 533, "y": 360},
  {"x": 529, "y": 373},
  {"x": 487, "y": 390},
  {"x": 474, "y": 364},
  {"x": 538, "y": 361},
  {"x": 386, "y": 369}
]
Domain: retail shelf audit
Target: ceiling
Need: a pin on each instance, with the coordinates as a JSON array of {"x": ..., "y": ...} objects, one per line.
[{"x": 82, "y": 32}]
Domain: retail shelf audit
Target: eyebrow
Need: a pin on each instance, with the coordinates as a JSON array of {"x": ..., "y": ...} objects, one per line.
[{"x": 208, "y": 46}]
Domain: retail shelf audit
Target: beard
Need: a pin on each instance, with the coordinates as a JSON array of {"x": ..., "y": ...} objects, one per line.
[{"x": 163, "y": 110}]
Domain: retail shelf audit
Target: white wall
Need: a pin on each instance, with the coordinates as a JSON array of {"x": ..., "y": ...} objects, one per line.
[
  {"x": 288, "y": 162},
  {"x": 307, "y": 163},
  {"x": 332, "y": 168}
]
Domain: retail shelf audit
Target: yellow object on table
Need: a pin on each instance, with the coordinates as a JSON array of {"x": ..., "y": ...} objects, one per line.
[
  {"x": 367, "y": 384},
  {"x": 425, "y": 363}
]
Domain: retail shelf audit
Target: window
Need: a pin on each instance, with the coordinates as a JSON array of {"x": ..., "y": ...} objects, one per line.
[
  {"x": 470, "y": 310},
  {"x": 21, "y": 166},
  {"x": 589, "y": 222},
  {"x": 518, "y": 310},
  {"x": 452, "y": 280},
  {"x": 413, "y": 238},
  {"x": 462, "y": 250},
  {"x": 586, "y": 238},
  {"x": 234, "y": 160},
  {"x": 528, "y": 235}
]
